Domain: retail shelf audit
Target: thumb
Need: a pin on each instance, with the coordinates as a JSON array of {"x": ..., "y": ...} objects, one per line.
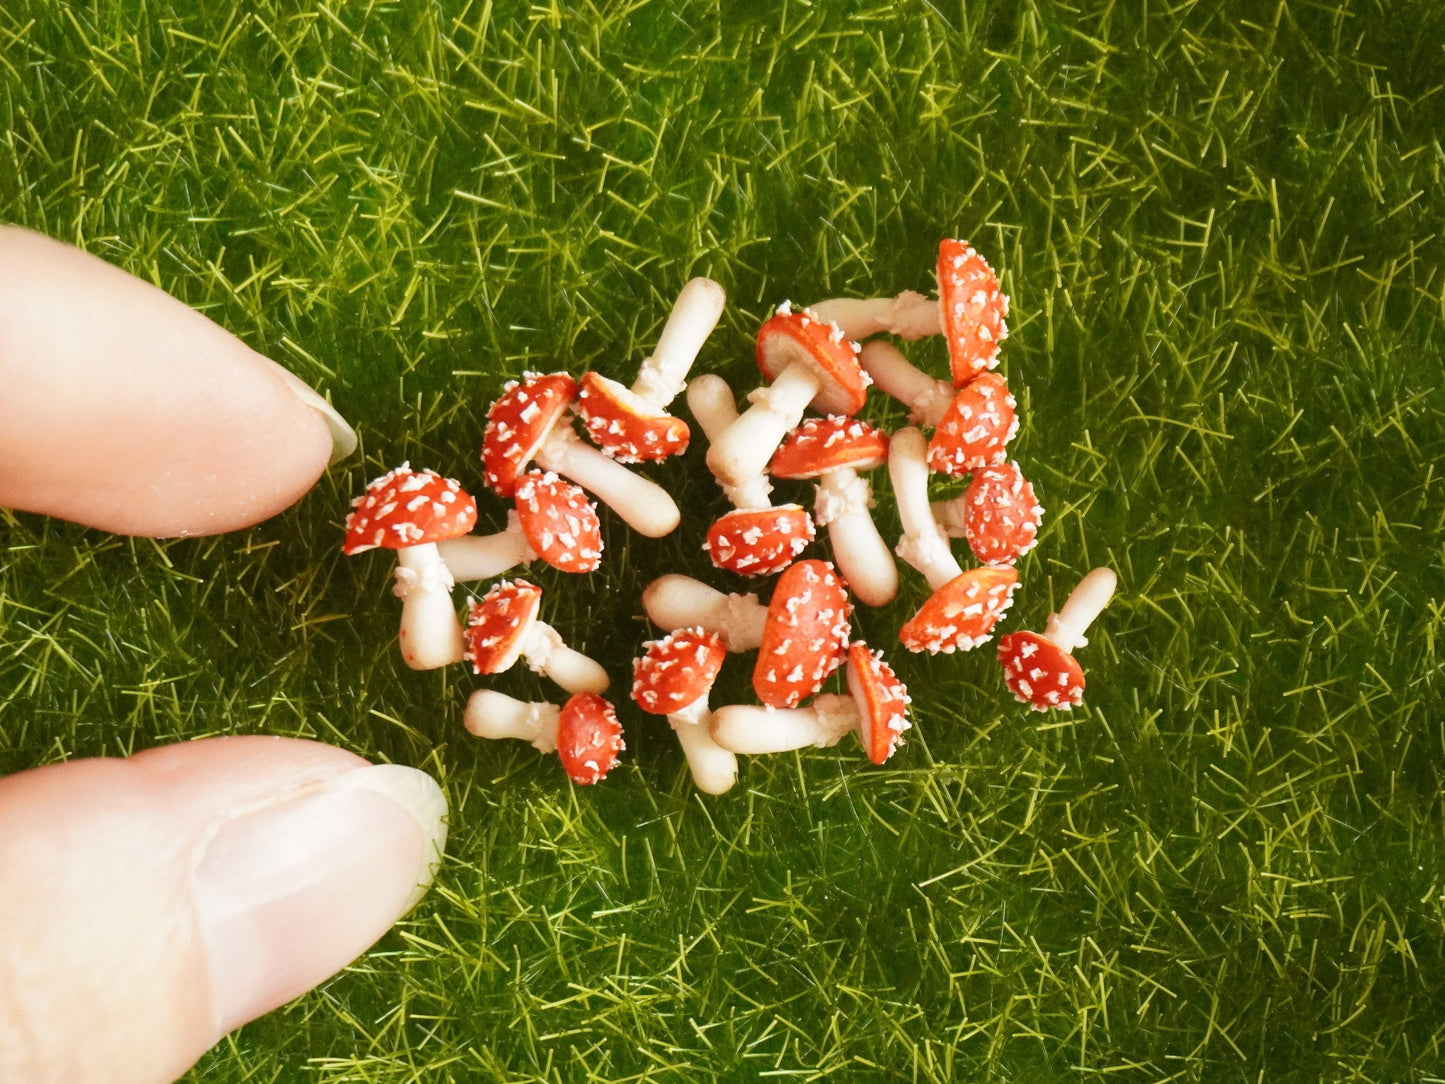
[
  {"x": 127, "y": 410},
  {"x": 149, "y": 905}
]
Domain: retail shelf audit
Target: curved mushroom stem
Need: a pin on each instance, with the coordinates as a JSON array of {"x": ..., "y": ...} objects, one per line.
[
  {"x": 863, "y": 557},
  {"x": 712, "y": 404},
  {"x": 927, "y": 399},
  {"x": 546, "y": 654},
  {"x": 645, "y": 506},
  {"x": 694, "y": 314},
  {"x": 910, "y": 315},
  {"x": 1066, "y": 628},
  {"x": 714, "y": 769},
  {"x": 482, "y": 556},
  {"x": 490, "y": 714},
  {"x": 923, "y": 546},
  {"x": 675, "y": 601},
  {"x": 431, "y": 634},
  {"x": 742, "y": 451},
  {"x": 747, "y": 728}
]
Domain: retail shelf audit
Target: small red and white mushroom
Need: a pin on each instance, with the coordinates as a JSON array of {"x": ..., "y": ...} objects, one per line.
[
  {"x": 757, "y": 538},
  {"x": 876, "y": 709},
  {"x": 1039, "y": 668},
  {"x": 504, "y": 626},
  {"x": 529, "y": 422},
  {"x": 833, "y": 450},
  {"x": 632, "y": 424},
  {"x": 584, "y": 732},
  {"x": 998, "y": 513},
  {"x": 410, "y": 511},
  {"x": 673, "y": 677},
  {"x": 552, "y": 520},
  {"x": 809, "y": 362},
  {"x": 972, "y": 425},
  {"x": 965, "y": 606}
]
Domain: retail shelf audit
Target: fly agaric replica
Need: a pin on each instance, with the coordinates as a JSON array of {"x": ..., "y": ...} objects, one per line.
[
  {"x": 632, "y": 425},
  {"x": 504, "y": 627},
  {"x": 411, "y": 511},
  {"x": 964, "y": 606},
  {"x": 529, "y": 422},
  {"x": 1039, "y": 668},
  {"x": 998, "y": 514},
  {"x": 809, "y": 362},
  {"x": 673, "y": 678},
  {"x": 972, "y": 425},
  {"x": 833, "y": 450},
  {"x": 584, "y": 732},
  {"x": 757, "y": 538},
  {"x": 876, "y": 709},
  {"x": 553, "y": 520},
  {"x": 969, "y": 312}
]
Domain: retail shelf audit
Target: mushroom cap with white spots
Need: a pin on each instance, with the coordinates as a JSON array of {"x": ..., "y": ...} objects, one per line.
[
  {"x": 973, "y": 310},
  {"x": 805, "y": 635},
  {"x": 820, "y": 445},
  {"x": 1039, "y": 673},
  {"x": 675, "y": 671},
  {"x": 589, "y": 738},
  {"x": 961, "y": 614},
  {"x": 1001, "y": 515},
  {"x": 497, "y": 626},
  {"x": 406, "y": 507},
  {"x": 517, "y": 424},
  {"x": 626, "y": 426},
  {"x": 759, "y": 541},
  {"x": 559, "y": 521},
  {"x": 798, "y": 336},
  {"x": 976, "y": 427},
  {"x": 882, "y": 701}
]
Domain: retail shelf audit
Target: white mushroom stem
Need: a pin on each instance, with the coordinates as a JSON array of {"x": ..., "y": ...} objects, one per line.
[
  {"x": 482, "y": 556},
  {"x": 748, "y": 728},
  {"x": 1066, "y": 628},
  {"x": 923, "y": 546},
  {"x": 678, "y": 602},
  {"x": 694, "y": 314},
  {"x": 712, "y": 404},
  {"x": 910, "y": 315},
  {"x": 926, "y": 398},
  {"x": 714, "y": 769},
  {"x": 645, "y": 506},
  {"x": 546, "y": 654},
  {"x": 843, "y": 504},
  {"x": 741, "y": 452},
  {"x": 490, "y": 714},
  {"x": 431, "y": 634}
]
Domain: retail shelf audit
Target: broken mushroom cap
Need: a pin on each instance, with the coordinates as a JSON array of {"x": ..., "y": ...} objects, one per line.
[
  {"x": 626, "y": 426},
  {"x": 1001, "y": 514},
  {"x": 589, "y": 738},
  {"x": 973, "y": 310},
  {"x": 517, "y": 424},
  {"x": 406, "y": 507},
  {"x": 559, "y": 521},
  {"x": 882, "y": 701},
  {"x": 759, "y": 541},
  {"x": 805, "y": 634},
  {"x": 1039, "y": 668},
  {"x": 961, "y": 614},
  {"x": 976, "y": 427}
]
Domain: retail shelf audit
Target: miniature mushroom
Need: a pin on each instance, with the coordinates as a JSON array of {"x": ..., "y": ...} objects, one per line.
[
  {"x": 809, "y": 361},
  {"x": 504, "y": 626},
  {"x": 998, "y": 513},
  {"x": 633, "y": 425},
  {"x": 528, "y": 423},
  {"x": 877, "y": 709},
  {"x": 411, "y": 511},
  {"x": 673, "y": 677},
  {"x": 1039, "y": 668},
  {"x": 972, "y": 425},
  {"x": 804, "y": 636},
  {"x": 964, "y": 606},
  {"x": 553, "y": 520},
  {"x": 584, "y": 732},
  {"x": 675, "y": 601},
  {"x": 757, "y": 538},
  {"x": 833, "y": 450}
]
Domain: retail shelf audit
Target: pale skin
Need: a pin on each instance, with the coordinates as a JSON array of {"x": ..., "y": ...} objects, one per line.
[{"x": 154, "y": 903}]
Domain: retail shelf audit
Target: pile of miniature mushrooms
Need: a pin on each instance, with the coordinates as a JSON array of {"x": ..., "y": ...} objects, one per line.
[{"x": 822, "y": 358}]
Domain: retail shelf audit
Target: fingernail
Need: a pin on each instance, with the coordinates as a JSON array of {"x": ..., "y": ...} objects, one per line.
[
  {"x": 343, "y": 437},
  {"x": 288, "y": 894}
]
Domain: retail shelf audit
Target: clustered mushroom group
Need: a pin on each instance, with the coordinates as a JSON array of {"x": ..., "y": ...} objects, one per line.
[{"x": 812, "y": 358}]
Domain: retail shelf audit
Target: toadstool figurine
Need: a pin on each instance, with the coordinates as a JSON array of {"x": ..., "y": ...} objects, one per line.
[
  {"x": 998, "y": 514},
  {"x": 584, "y": 732},
  {"x": 673, "y": 677},
  {"x": 804, "y": 636},
  {"x": 1039, "y": 668},
  {"x": 504, "y": 627},
  {"x": 553, "y": 520},
  {"x": 411, "y": 511}
]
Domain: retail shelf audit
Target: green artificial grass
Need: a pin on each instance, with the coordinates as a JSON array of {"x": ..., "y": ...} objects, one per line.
[{"x": 1220, "y": 224}]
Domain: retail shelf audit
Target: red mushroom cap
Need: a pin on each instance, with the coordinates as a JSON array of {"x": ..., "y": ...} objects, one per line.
[
  {"x": 975, "y": 428},
  {"x": 676, "y": 670},
  {"x": 961, "y": 614},
  {"x": 973, "y": 310},
  {"x": 882, "y": 701},
  {"x": 406, "y": 507},
  {"x": 589, "y": 738},
  {"x": 625, "y": 425},
  {"x": 790, "y": 337},
  {"x": 1001, "y": 515},
  {"x": 804, "y": 636},
  {"x": 499, "y": 623},
  {"x": 559, "y": 522},
  {"x": 1039, "y": 673},
  {"x": 759, "y": 541},
  {"x": 823, "y": 444},
  {"x": 519, "y": 422}
]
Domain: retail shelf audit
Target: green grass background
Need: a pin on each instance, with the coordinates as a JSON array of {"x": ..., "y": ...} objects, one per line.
[{"x": 1220, "y": 224}]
